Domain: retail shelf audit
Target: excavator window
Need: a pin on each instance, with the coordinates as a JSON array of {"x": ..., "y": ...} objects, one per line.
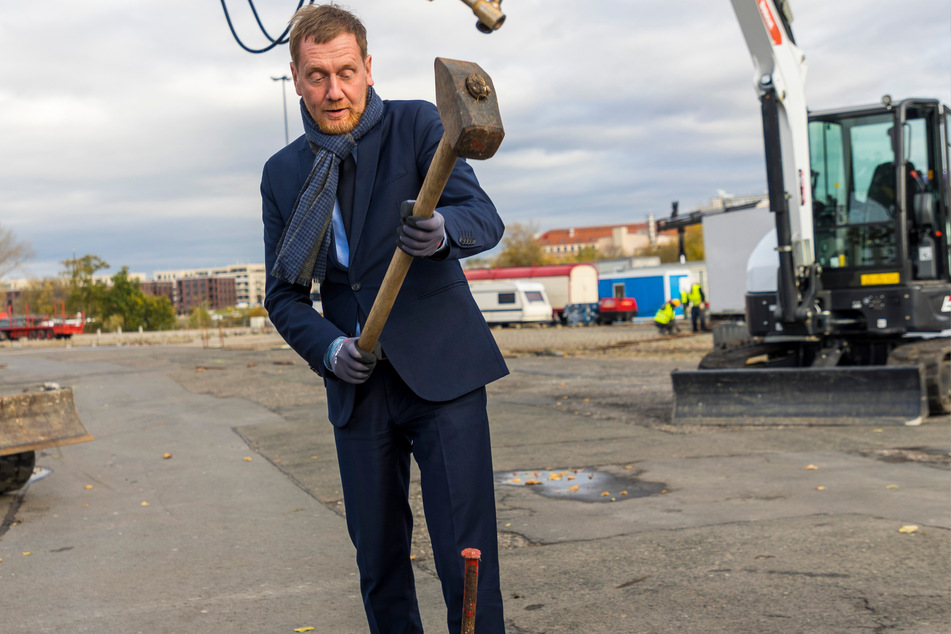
[{"x": 853, "y": 164}]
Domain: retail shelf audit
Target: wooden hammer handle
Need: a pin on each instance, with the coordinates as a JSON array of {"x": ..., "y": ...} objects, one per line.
[{"x": 439, "y": 171}]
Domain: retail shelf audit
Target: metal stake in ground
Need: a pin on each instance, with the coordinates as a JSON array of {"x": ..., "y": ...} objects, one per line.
[
  {"x": 469, "y": 111},
  {"x": 472, "y": 556}
]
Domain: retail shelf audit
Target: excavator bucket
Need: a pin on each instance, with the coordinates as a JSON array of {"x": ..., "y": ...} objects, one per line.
[
  {"x": 853, "y": 395},
  {"x": 38, "y": 420}
]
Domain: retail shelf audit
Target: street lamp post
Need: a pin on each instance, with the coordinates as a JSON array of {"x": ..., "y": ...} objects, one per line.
[{"x": 284, "y": 79}]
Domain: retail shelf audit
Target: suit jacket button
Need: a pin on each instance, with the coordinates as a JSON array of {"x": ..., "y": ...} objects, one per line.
[{"x": 355, "y": 286}]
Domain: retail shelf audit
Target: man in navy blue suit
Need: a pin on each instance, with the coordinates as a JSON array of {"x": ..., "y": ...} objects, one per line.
[{"x": 333, "y": 212}]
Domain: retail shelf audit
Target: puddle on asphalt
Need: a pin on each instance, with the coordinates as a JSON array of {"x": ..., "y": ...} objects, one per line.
[
  {"x": 936, "y": 456},
  {"x": 582, "y": 485}
]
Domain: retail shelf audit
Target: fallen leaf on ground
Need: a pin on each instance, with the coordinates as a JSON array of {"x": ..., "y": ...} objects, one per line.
[
  {"x": 574, "y": 488},
  {"x": 811, "y": 467},
  {"x": 891, "y": 486},
  {"x": 304, "y": 629},
  {"x": 144, "y": 504},
  {"x": 247, "y": 458},
  {"x": 820, "y": 488},
  {"x": 605, "y": 493},
  {"x": 166, "y": 456},
  {"x": 88, "y": 486},
  {"x": 908, "y": 528},
  {"x": 531, "y": 482}
]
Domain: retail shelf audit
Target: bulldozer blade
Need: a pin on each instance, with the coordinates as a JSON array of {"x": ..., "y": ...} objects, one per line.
[
  {"x": 38, "y": 420},
  {"x": 854, "y": 395}
]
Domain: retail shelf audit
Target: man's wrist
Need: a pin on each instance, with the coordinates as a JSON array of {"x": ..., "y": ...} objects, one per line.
[{"x": 332, "y": 351}]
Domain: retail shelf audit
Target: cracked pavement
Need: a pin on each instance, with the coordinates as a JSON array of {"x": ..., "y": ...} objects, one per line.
[{"x": 741, "y": 529}]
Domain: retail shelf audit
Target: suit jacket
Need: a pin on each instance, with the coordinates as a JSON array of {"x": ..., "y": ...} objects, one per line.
[{"x": 435, "y": 337}]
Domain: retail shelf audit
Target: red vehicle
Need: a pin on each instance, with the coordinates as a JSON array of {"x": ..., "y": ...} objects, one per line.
[
  {"x": 39, "y": 326},
  {"x": 612, "y": 309}
]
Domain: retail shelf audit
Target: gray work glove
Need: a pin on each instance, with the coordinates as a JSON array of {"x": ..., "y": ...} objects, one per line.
[
  {"x": 417, "y": 236},
  {"x": 348, "y": 362}
]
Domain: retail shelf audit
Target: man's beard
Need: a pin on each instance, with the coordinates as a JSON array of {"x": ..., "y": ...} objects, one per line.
[{"x": 345, "y": 125}]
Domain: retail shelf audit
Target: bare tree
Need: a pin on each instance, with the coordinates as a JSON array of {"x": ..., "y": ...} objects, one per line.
[{"x": 13, "y": 253}]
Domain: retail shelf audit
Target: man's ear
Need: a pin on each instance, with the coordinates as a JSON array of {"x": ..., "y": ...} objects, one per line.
[
  {"x": 294, "y": 77},
  {"x": 367, "y": 63}
]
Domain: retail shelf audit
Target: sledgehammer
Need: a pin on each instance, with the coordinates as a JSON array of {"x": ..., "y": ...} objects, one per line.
[{"x": 469, "y": 111}]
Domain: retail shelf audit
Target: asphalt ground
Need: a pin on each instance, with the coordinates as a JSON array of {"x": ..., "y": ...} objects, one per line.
[{"x": 210, "y": 500}]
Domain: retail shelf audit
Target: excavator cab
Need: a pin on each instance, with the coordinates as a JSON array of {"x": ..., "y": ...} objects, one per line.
[{"x": 880, "y": 196}]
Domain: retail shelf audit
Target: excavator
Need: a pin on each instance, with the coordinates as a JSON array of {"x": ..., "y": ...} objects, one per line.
[{"x": 848, "y": 305}]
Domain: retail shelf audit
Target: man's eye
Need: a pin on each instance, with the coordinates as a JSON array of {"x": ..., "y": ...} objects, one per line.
[
  {"x": 347, "y": 76},
  {"x": 316, "y": 79}
]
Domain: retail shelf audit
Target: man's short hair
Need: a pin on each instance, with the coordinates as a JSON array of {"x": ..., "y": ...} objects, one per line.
[{"x": 322, "y": 23}]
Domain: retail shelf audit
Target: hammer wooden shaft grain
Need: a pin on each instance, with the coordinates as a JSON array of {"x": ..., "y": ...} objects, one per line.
[{"x": 439, "y": 171}]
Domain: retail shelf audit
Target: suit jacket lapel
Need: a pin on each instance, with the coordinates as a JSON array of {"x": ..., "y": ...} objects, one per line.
[{"x": 368, "y": 156}]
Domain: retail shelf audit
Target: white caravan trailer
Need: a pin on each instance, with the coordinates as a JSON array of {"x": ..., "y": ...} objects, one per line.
[{"x": 512, "y": 301}]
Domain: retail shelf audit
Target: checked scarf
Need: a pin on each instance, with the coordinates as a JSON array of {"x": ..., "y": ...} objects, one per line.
[{"x": 302, "y": 254}]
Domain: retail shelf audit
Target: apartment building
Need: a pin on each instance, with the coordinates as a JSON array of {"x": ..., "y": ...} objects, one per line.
[{"x": 249, "y": 280}]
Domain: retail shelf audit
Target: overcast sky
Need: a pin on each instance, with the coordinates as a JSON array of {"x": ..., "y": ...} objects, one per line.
[{"x": 136, "y": 131}]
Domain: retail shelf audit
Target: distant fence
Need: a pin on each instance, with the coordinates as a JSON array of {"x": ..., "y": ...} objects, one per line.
[{"x": 208, "y": 337}]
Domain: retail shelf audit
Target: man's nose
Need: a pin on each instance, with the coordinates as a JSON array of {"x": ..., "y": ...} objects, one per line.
[{"x": 334, "y": 89}]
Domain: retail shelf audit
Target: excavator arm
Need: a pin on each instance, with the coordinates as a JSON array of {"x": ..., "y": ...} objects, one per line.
[{"x": 779, "y": 81}]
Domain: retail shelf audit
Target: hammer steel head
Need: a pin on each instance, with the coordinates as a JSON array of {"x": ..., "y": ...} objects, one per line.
[{"x": 468, "y": 108}]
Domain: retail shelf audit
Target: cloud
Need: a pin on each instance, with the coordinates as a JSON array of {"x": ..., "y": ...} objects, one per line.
[{"x": 137, "y": 131}]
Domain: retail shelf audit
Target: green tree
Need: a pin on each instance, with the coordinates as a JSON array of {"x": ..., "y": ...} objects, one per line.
[
  {"x": 519, "y": 247},
  {"x": 86, "y": 294},
  {"x": 158, "y": 313},
  {"x": 199, "y": 318},
  {"x": 125, "y": 299}
]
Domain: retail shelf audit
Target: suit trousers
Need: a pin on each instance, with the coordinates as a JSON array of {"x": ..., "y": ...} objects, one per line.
[{"x": 450, "y": 442}]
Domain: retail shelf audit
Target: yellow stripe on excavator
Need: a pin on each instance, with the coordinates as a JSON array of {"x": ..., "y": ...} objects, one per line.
[{"x": 879, "y": 279}]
